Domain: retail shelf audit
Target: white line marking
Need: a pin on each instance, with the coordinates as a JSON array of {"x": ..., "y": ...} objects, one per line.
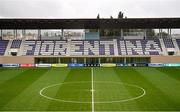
[
  {"x": 92, "y": 89},
  {"x": 143, "y": 92}
]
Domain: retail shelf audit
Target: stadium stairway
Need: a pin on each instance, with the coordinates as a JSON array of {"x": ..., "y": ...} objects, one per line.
[
  {"x": 38, "y": 47},
  {"x": 20, "y": 53},
  {"x": 8, "y": 48},
  {"x": 163, "y": 47},
  {"x": 115, "y": 47},
  {"x": 69, "y": 47},
  {"x": 176, "y": 46}
]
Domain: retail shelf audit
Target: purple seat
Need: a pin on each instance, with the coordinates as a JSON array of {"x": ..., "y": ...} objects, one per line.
[
  {"x": 3, "y": 46},
  {"x": 178, "y": 42},
  {"x": 168, "y": 43},
  {"x": 124, "y": 47},
  {"x": 16, "y": 44}
]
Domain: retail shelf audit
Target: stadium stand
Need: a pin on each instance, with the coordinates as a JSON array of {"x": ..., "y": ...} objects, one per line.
[
  {"x": 178, "y": 42},
  {"x": 16, "y": 44},
  {"x": 96, "y": 47},
  {"x": 113, "y": 47},
  {"x": 119, "y": 46},
  {"x": 3, "y": 46},
  {"x": 168, "y": 43}
]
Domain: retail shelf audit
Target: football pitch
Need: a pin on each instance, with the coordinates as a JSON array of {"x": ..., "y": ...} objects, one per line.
[{"x": 90, "y": 89}]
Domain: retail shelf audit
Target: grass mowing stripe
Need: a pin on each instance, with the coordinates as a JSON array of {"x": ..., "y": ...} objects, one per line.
[
  {"x": 9, "y": 74},
  {"x": 171, "y": 72},
  {"x": 162, "y": 89},
  {"x": 151, "y": 100},
  {"x": 9, "y": 69},
  {"x": 110, "y": 92},
  {"x": 92, "y": 89},
  {"x": 13, "y": 87},
  {"x": 156, "y": 94},
  {"x": 37, "y": 103},
  {"x": 164, "y": 82},
  {"x": 122, "y": 74},
  {"x": 78, "y": 74},
  {"x": 74, "y": 91},
  {"x": 105, "y": 74},
  {"x": 3, "y": 69}
]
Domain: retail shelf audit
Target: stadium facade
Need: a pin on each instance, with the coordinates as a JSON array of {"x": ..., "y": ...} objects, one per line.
[{"x": 91, "y": 52}]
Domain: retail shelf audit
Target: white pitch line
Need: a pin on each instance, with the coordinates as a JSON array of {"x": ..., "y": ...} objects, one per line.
[
  {"x": 92, "y": 90},
  {"x": 41, "y": 92}
]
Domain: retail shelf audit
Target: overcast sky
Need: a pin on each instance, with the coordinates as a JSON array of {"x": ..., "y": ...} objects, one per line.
[{"x": 89, "y": 8}]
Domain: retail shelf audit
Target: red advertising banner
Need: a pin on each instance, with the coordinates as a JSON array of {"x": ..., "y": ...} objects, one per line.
[{"x": 26, "y": 65}]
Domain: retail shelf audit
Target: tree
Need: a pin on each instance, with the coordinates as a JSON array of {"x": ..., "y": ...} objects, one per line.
[
  {"x": 98, "y": 16},
  {"x": 164, "y": 34},
  {"x": 150, "y": 33},
  {"x": 120, "y": 15}
]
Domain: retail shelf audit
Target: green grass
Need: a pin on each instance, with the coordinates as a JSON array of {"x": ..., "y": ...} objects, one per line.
[{"x": 19, "y": 89}]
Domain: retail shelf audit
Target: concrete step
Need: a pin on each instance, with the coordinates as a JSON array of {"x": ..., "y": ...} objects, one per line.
[
  {"x": 163, "y": 47},
  {"x": 8, "y": 48}
]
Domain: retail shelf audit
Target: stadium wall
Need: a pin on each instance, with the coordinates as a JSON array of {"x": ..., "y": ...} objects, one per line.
[
  {"x": 31, "y": 59},
  {"x": 17, "y": 59},
  {"x": 165, "y": 59}
]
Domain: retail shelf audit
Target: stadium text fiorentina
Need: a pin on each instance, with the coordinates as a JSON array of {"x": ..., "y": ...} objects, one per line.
[{"x": 92, "y": 47}]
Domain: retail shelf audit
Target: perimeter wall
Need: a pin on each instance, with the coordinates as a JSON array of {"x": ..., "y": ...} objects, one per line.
[{"x": 31, "y": 59}]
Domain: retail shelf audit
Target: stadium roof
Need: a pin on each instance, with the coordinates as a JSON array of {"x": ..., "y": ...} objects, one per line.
[{"x": 129, "y": 23}]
